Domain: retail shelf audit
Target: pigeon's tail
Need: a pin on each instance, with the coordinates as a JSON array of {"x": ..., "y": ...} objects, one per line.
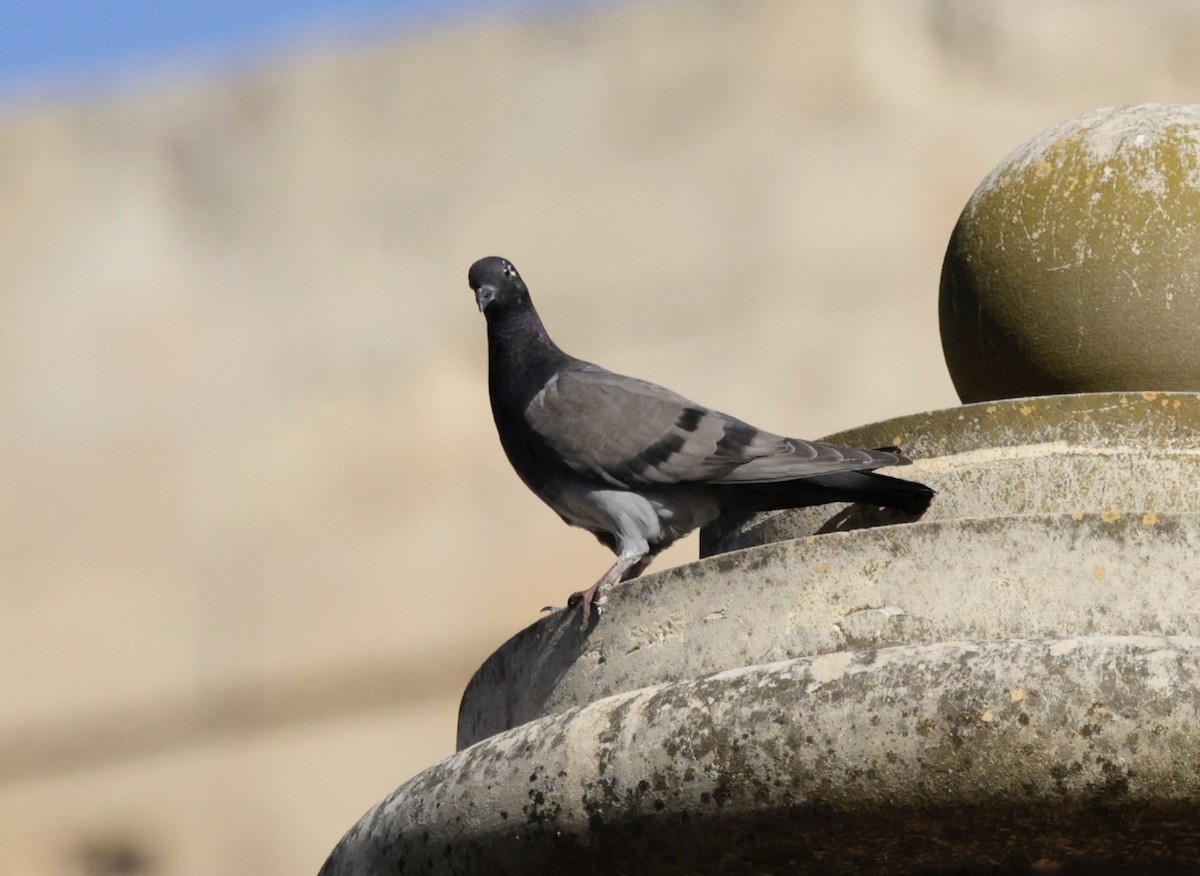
[
  {"x": 865, "y": 487},
  {"x": 872, "y": 488}
]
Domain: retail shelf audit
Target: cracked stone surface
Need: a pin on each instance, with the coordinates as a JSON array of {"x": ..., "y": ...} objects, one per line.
[{"x": 1025, "y": 755}]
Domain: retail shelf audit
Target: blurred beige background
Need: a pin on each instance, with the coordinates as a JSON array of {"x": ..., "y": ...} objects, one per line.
[{"x": 257, "y": 529}]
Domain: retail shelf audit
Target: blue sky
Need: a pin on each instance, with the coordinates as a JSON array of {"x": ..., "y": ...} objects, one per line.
[{"x": 65, "y": 47}]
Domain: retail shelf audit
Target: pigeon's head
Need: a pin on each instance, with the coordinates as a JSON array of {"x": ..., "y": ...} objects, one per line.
[{"x": 496, "y": 284}]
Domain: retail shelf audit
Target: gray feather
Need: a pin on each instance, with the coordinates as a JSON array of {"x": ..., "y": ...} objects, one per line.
[{"x": 628, "y": 433}]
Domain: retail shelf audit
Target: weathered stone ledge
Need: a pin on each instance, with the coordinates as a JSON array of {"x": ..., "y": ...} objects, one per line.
[
  {"x": 1099, "y": 452},
  {"x": 1048, "y": 752},
  {"x": 1037, "y": 575}
]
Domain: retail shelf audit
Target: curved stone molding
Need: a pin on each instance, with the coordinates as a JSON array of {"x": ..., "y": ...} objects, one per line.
[
  {"x": 928, "y": 582},
  {"x": 1011, "y": 754},
  {"x": 1105, "y": 451}
]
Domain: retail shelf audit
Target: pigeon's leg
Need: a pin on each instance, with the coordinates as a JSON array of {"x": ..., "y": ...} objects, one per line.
[
  {"x": 637, "y": 568},
  {"x": 628, "y": 565}
]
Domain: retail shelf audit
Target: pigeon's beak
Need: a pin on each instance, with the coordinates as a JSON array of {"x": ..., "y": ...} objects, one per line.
[{"x": 484, "y": 296}]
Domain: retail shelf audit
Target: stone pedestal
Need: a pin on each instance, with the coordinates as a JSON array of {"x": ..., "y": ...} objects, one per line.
[{"x": 1010, "y": 683}]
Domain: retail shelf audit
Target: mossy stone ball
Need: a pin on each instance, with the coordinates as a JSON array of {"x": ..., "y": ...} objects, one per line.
[{"x": 1075, "y": 266}]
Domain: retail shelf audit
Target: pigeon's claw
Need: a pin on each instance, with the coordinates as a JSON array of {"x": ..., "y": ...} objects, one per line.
[
  {"x": 627, "y": 567},
  {"x": 585, "y": 599}
]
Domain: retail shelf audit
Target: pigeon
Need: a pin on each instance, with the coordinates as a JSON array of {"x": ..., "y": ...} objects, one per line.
[{"x": 636, "y": 464}]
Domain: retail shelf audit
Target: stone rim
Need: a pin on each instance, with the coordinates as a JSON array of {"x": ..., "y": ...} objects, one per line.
[
  {"x": 1113, "y": 573},
  {"x": 1018, "y": 456},
  {"x": 1047, "y": 750}
]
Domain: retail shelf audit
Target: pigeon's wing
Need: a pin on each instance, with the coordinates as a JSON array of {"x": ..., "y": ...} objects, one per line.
[{"x": 630, "y": 433}]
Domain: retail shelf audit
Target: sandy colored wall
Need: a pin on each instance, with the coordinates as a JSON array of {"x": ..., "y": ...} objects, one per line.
[{"x": 257, "y": 530}]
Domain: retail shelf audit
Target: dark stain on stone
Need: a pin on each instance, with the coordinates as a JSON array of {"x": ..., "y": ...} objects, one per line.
[
  {"x": 722, "y": 792},
  {"x": 538, "y": 811},
  {"x": 1116, "y": 780},
  {"x": 1131, "y": 742}
]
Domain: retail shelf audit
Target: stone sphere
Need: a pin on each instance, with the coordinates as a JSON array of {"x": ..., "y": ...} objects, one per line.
[{"x": 1075, "y": 266}]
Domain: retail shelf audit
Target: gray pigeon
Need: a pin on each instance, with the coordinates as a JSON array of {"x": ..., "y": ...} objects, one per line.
[{"x": 637, "y": 465}]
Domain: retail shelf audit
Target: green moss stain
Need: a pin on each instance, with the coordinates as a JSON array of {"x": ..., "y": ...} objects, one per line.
[{"x": 1075, "y": 266}]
